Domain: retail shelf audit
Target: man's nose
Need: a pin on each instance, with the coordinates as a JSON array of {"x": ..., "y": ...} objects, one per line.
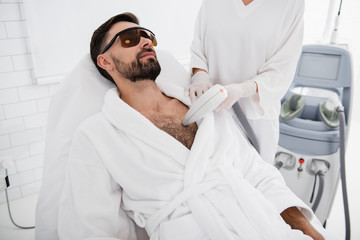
[{"x": 145, "y": 42}]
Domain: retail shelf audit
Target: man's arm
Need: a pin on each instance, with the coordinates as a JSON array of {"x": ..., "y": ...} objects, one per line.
[
  {"x": 268, "y": 180},
  {"x": 90, "y": 203},
  {"x": 296, "y": 220}
]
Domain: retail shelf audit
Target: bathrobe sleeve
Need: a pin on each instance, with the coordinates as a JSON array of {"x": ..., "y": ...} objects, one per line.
[
  {"x": 90, "y": 202},
  {"x": 268, "y": 180},
  {"x": 275, "y": 76}
]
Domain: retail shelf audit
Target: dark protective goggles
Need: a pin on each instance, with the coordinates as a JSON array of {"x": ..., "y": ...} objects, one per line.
[{"x": 130, "y": 37}]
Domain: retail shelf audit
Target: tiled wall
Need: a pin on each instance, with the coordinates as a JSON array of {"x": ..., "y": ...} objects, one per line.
[{"x": 23, "y": 104}]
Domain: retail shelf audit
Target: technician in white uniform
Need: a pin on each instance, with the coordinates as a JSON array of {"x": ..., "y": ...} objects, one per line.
[{"x": 251, "y": 47}]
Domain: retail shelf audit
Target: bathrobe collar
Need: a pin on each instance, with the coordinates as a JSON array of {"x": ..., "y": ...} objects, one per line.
[{"x": 127, "y": 119}]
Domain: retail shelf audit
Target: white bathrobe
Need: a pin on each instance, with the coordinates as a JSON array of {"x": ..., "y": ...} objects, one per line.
[
  {"x": 220, "y": 189},
  {"x": 262, "y": 42}
]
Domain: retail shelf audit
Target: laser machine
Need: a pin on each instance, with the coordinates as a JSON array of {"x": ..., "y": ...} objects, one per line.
[{"x": 314, "y": 120}]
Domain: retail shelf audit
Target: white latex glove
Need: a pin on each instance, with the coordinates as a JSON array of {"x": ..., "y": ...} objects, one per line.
[
  {"x": 236, "y": 91},
  {"x": 200, "y": 84}
]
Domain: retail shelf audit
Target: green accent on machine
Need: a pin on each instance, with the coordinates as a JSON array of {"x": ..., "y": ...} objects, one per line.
[
  {"x": 292, "y": 107},
  {"x": 328, "y": 116}
]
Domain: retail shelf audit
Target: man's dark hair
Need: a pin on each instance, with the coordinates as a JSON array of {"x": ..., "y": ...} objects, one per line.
[{"x": 98, "y": 43}]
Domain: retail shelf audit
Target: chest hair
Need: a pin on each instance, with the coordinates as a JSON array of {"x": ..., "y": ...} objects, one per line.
[
  {"x": 173, "y": 127},
  {"x": 170, "y": 122}
]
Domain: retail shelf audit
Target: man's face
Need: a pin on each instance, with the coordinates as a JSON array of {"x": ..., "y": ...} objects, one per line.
[{"x": 133, "y": 63}]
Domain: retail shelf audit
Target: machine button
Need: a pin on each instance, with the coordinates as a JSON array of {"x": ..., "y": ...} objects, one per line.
[{"x": 301, "y": 161}]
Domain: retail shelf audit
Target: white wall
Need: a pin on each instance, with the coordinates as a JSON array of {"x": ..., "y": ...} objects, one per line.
[
  {"x": 61, "y": 30},
  {"x": 24, "y": 105}
]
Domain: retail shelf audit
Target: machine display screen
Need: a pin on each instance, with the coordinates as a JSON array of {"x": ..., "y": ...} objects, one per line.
[{"x": 315, "y": 65}]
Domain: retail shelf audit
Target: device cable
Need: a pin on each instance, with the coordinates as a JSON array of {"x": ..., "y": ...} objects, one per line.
[
  {"x": 248, "y": 129},
  {"x": 339, "y": 11},
  {"x": 279, "y": 164},
  {"x": 321, "y": 176},
  {"x": 313, "y": 191},
  {"x": 334, "y": 34},
  {"x": 8, "y": 204},
  {"x": 341, "y": 114}
]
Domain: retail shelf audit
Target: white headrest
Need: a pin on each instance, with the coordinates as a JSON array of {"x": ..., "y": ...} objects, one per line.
[{"x": 80, "y": 95}]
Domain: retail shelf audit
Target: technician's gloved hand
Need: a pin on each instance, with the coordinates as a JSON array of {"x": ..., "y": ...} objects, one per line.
[
  {"x": 236, "y": 91},
  {"x": 200, "y": 84}
]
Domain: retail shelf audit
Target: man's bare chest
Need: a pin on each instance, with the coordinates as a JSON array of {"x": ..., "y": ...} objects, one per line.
[
  {"x": 172, "y": 125},
  {"x": 170, "y": 122}
]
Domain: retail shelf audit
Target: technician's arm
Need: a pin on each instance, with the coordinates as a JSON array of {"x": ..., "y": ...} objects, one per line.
[
  {"x": 296, "y": 220},
  {"x": 275, "y": 76},
  {"x": 198, "y": 60}
]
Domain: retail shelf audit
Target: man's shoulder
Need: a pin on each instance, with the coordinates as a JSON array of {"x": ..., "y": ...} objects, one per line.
[
  {"x": 94, "y": 122},
  {"x": 93, "y": 130}
]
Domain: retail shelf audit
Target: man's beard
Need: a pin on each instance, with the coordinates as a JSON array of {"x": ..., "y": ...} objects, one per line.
[{"x": 136, "y": 70}]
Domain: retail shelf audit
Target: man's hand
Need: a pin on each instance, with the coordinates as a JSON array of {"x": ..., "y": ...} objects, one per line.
[
  {"x": 201, "y": 83},
  {"x": 236, "y": 91},
  {"x": 296, "y": 220}
]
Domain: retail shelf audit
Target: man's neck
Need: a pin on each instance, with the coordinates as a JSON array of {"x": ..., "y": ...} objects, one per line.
[
  {"x": 144, "y": 96},
  {"x": 164, "y": 112}
]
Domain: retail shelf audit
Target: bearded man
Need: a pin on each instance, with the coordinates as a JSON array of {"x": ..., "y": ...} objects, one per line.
[{"x": 202, "y": 181}]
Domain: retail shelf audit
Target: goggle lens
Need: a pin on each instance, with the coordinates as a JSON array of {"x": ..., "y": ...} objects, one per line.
[{"x": 131, "y": 37}]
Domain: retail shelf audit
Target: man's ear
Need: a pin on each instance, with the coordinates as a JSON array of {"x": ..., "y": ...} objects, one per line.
[{"x": 105, "y": 62}]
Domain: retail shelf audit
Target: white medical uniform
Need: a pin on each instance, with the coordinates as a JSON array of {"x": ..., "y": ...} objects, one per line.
[
  {"x": 262, "y": 42},
  {"x": 220, "y": 189}
]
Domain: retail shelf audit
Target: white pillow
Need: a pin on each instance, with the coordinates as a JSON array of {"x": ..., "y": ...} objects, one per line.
[{"x": 78, "y": 96}]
